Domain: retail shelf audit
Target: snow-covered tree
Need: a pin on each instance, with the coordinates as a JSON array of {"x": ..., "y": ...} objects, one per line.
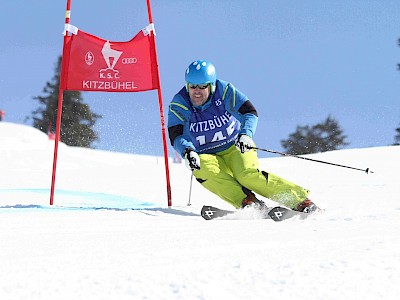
[
  {"x": 397, "y": 137},
  {"x": 321, "y": 137},
  {"x": 77, "y": 118}
]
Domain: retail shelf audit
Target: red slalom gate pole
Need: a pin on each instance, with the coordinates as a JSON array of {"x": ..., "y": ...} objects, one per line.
[
  {"x": 160, "y": 104},
  {"x": 59, "y": 109}
]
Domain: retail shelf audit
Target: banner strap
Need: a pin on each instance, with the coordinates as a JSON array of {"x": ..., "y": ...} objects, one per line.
[
  {"x": 71, "y": 29},
  {"x": 148, "y": 29}
]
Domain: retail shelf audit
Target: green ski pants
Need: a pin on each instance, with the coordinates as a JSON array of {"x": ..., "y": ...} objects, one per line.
[{"x": 232, "y": 175}]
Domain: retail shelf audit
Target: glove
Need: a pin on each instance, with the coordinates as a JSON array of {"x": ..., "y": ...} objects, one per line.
[
  {"x": 192, "y": 159},
  {"x": 244, "y": 143}
]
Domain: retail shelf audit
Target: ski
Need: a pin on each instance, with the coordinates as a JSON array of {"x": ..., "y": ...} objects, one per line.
[
  {"x": 210, "y": 212},
  {"x": 277, "y": 213}
]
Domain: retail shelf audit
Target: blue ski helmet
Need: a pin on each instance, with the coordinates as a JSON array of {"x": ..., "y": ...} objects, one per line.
[{"x": 201, "y": 72}]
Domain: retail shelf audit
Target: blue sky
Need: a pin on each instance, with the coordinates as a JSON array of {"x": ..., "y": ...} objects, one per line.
[{"x": 297, "y": 61}]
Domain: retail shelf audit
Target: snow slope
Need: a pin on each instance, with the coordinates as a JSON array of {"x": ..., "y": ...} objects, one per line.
[{"x": 110, "y": 234}]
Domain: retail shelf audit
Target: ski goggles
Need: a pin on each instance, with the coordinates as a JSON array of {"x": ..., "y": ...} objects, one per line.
[{"x": 200, "y": 86}]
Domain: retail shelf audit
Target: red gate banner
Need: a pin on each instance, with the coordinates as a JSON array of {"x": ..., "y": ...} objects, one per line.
[{"x": 95, "y": 64}]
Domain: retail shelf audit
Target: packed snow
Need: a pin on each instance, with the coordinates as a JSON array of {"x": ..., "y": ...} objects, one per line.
[{"x": 111, "y": 235}]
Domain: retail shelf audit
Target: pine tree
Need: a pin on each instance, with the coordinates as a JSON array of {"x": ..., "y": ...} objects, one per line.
[
  {"x": 398, "y": 65},
  {"x": 77, "y": 118},
  {"x": 322, "y": 137},
  {"x": 397, "y": 137}
]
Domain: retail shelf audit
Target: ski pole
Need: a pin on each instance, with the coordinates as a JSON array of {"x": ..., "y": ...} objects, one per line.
[
  {"x": 367, "y": 170},
  {"x": 190, "y": 189}
]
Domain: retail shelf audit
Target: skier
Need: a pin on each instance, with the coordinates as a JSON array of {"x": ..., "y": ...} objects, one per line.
[{"x": 211, "y": 125}]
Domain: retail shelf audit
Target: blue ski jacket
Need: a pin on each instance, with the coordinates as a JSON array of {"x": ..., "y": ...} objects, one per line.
[{"x": 214, "y": 126}]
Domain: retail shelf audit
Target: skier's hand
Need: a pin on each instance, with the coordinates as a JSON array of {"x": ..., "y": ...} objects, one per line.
[
  {"x": 244, "y": 143},
  {"x": 192, "y": 159}
]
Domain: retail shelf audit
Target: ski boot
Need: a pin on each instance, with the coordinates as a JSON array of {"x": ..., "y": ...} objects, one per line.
[
  {"x": 252, "y": 201},
  {"x": 307, "y": 206}
]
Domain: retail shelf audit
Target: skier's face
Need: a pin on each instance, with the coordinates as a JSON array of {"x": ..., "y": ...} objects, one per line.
[{"x": 199, "y": 93}]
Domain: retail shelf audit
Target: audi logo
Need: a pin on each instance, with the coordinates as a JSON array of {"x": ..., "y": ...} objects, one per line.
[{"x": 129, "y": 60}]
